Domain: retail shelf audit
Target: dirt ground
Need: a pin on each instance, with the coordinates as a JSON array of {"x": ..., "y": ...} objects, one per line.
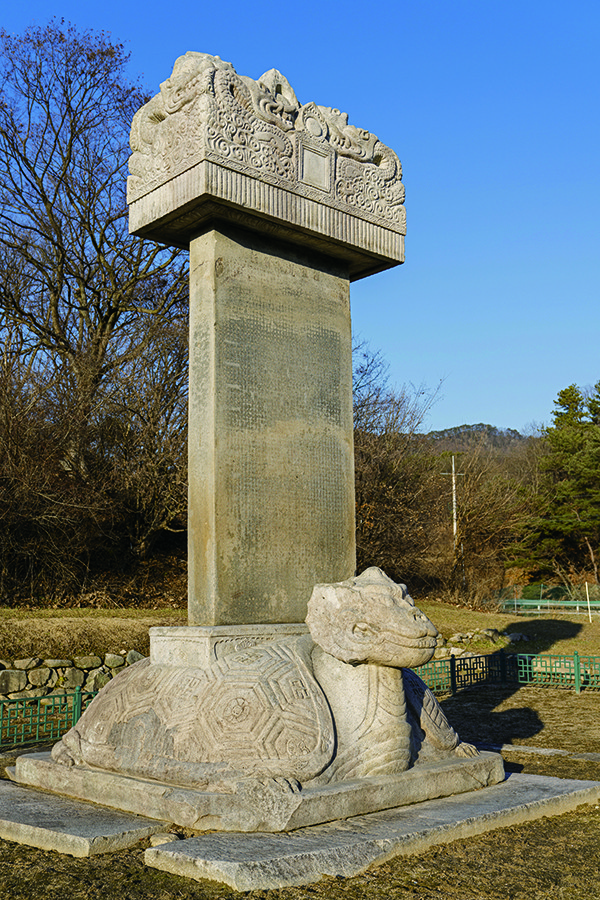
[{"x": 556, "y": 858}]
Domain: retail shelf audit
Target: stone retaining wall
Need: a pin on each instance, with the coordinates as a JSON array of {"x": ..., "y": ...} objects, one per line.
[{"x": 36, "y": 677}]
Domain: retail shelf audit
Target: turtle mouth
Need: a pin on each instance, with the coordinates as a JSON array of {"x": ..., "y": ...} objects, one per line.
[{"x": 419, "y": 643}]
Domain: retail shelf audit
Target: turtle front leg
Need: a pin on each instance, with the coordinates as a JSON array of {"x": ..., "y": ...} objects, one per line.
[{"x": 428, "y": 713}]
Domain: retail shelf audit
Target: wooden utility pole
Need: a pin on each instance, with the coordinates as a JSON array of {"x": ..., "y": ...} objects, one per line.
[{"x": 454, "y": 473}]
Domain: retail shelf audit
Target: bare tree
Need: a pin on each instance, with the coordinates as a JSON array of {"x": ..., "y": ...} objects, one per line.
[
  {"x": 49, "y": 521},
  {"x": 92, "y": 321},
  {"x": 395, "y": 473},
  {"x": 494, "y": 499},
  {"x": 142, "y": 439},
  {"x": 80, "y": 289}
]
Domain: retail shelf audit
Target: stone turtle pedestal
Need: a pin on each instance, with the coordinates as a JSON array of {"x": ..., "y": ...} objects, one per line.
[{"x": 256, "y": 728}]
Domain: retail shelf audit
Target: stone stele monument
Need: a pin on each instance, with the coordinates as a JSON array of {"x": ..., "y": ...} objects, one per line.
[{"x": 248, "y": 719}]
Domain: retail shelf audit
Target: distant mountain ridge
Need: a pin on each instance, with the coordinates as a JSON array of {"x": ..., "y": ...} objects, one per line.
[{"x": 463, "y": 436}]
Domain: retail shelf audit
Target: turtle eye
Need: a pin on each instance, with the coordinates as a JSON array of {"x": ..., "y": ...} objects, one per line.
[{"x": 363, "y": 631}]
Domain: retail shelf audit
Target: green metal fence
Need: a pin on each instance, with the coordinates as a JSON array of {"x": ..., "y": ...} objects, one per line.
[
  {"x": 547, "y": 670},
  {"x": 539, "y": 598},
  {"x": 39, "y": 719}
]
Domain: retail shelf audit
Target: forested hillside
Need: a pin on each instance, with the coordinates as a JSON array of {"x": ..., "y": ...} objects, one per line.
[{"x": 464, "y": 437}]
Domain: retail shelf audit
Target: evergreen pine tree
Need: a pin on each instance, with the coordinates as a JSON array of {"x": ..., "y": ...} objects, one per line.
[{"x": 564, "y": 536}]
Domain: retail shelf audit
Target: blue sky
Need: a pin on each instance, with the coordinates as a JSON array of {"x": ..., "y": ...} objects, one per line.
[{"x": 492, "y": 107}]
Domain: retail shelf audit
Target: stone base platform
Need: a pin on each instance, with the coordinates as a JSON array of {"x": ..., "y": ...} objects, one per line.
[
  {"x": 68, "y": 826},
  {"x": 248, "y": 862},
  {"x": 259, "y": 805}
]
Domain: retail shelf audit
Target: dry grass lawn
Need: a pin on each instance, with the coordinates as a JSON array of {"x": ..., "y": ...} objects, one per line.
[
  {"x": 68, "y": 632},
  {"x": 548, "y": 633},
  {"x": 63, "y": 634}
]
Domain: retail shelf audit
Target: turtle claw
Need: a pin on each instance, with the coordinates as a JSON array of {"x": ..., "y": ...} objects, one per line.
[
  {"x": 464, "y": 749},
  {"x": 61, "y": 755},
  {"x": 288, "y": 785}
]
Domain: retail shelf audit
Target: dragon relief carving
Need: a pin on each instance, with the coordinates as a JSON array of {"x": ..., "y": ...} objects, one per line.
[{"x": 205, "y": 110}]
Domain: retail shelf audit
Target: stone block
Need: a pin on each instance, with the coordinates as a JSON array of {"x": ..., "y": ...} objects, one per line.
[
  {"x": 87, "y": 662},
  {"x": 113, "y": 660},
  {"x": 58, "y": 663},
  {"x": 39, "y": 676},
  {"x": 29, "y": 663},
  {"x": 53, "y": 696},
  {"x": 188, "y": 645},
  {"x": 12, "y": 680},
  {"x": 345, "y": 848},
  {"x": 133, "y": 656},
  {"x": 97, "y": 679},
  {"x": 163, "y": 837},
  {"x": 29, "y": 694},
  {"x": 492, "y": 634},
  {"x": 255, "y": 805},
  {"x": 271, "y": 473},
  {"x": 73, "y": 678}
]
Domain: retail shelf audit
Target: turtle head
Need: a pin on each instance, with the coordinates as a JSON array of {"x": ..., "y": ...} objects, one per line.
[{"x": 370, "y": 619}]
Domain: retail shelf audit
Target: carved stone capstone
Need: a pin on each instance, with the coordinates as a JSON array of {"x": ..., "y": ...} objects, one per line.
[{"x": 217, "y": 145}]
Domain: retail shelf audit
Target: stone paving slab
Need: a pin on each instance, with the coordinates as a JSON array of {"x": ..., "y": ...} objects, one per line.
[
  {"x": 68, "y": 826},
  {"x": 540, "y": 751},
  {"x": 263, "y": 861}
]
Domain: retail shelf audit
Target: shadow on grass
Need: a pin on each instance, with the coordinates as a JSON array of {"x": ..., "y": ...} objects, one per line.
[{"x": 472, "y": 710}]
